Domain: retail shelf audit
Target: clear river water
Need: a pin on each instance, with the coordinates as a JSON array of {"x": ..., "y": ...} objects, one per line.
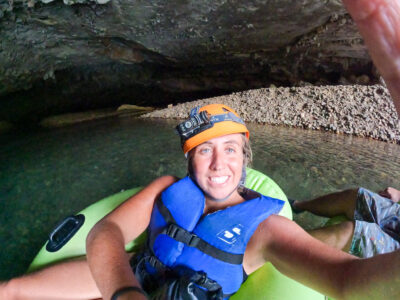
[{"x": 48, "y": 174}]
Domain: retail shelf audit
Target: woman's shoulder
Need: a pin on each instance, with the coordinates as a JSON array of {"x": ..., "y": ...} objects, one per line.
[
  {"x": 167, "y": 179},
  {"x": 163, "y": 182}
]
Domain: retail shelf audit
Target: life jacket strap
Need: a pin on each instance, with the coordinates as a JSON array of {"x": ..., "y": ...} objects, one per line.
[
  {"x": 182, "y": 235},
  {"x": 155, "y": 263},
  {"x": 165, "y": 211}
]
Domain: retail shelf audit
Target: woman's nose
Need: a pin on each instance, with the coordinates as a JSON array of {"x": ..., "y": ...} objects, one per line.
[{"x": 218, "y": 161}]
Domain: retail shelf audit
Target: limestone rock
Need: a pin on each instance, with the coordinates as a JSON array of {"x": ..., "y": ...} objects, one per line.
[
  {"x": 57, "y": 58},
  {"x": 366, "y": 111}
]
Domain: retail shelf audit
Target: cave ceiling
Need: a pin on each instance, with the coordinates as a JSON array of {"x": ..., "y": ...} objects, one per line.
[{"x": 65, "y": 56}]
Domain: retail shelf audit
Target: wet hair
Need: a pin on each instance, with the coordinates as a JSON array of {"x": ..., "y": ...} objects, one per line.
[{"x": 247, "y": 159}]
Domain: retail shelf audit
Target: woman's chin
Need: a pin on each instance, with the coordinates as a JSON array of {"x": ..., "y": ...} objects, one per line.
[
  {"x": 220, "y": 197},
  {"x": 217, "y": 198}
]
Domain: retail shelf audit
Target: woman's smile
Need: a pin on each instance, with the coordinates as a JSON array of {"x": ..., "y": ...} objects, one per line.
[{"x": 219, "y": 179}]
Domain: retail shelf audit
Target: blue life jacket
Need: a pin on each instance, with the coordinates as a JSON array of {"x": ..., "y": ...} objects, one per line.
[{"x": 180, "y": 236}]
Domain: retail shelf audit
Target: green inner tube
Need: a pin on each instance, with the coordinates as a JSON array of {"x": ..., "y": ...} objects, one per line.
[{"x": 265, "y": 283}]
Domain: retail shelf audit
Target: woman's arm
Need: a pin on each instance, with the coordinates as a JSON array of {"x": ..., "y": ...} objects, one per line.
[
  {"x": 332, "y": 272},
  {"x": 374, "y": 278},
  {"x": 105, "y": 244}
]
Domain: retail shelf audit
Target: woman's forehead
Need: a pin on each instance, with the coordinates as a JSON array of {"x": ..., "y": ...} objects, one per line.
[{"x": 234, "y": 138}]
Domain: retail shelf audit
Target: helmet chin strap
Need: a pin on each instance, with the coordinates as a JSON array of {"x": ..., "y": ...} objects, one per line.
[{"x": 243, "y": 178}]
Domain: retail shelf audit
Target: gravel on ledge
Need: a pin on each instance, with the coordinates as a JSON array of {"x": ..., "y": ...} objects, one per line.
[{"x": 366, "y": 111}]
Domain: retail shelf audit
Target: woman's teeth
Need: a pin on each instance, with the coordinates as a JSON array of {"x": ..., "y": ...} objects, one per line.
[{"x": 220, "y": 179}]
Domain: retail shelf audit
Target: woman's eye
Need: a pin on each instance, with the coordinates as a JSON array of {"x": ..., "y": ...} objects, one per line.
[
  {"x": 230, "y": 150},
  {"x": 205, "y": 150}
]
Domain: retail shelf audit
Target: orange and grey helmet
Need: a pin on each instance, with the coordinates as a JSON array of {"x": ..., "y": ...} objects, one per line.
[{"x": 208, "y": 122}]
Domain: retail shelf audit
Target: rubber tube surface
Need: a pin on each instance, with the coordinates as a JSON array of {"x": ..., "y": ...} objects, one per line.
[{"x": 265, "y": 283}]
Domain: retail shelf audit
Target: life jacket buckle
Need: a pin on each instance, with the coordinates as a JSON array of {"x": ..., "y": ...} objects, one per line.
[
  {"x": 172, "y": 230},
  {"x": 181, "y": 235},
  {"x": 154, "y": 262}
]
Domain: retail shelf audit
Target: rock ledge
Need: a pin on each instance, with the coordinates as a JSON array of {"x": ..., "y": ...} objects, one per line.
[{"x": 366, "y": 111}]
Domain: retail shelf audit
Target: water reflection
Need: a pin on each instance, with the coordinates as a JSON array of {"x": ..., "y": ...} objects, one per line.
[
  {"x": 49, "y": 174},
  {"x": 307, "y": 164}
]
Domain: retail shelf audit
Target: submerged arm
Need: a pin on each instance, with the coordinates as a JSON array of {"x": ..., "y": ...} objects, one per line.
[
  {"x": 332, "y": 272},
  {"x": 108, "y": 261}
]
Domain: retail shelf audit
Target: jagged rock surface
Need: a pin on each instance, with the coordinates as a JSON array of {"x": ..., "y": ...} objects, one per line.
[
  {"x": 366, "y": 111},
  {"x": 58, "y": 58}
]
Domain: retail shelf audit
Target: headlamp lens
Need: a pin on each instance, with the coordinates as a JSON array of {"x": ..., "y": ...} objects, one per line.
[{"x": 195, "y": 124}]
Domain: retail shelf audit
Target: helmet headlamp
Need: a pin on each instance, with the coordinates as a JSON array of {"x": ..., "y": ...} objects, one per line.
[
  {"x": 194, "y": 125},
  {"x": 208, "y": 122}
]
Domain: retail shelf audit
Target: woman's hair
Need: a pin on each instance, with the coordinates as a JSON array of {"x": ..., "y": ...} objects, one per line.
[
  {"x": 247, "y": 152},
  {"x": 247, "y": 157}
]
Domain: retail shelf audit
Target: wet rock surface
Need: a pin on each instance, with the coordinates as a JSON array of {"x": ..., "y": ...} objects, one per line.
[
  {"x": 89, "y": 116},
  {"x": 366, "y": 111}
]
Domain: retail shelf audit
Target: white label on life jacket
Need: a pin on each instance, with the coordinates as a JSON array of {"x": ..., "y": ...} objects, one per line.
[
  {"x": 236, "y": 230},
  {"x": 230, "y": 235}
]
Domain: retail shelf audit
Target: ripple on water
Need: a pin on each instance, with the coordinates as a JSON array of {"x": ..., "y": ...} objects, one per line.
[{"x": 307, "y": 164}]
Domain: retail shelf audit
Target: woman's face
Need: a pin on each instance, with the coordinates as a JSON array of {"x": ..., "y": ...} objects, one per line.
[{"x": 217, "y": 166}]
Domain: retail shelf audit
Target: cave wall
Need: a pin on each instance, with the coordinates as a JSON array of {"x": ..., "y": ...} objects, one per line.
[{"x": 67, "y": 56}]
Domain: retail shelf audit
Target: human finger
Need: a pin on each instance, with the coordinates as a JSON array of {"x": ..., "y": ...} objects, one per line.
[
  {"x": 379, "y": 23},
  {"x": 384, "y": 193}
]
